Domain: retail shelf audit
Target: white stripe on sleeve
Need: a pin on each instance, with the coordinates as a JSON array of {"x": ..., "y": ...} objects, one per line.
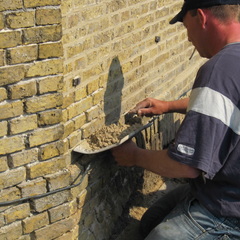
[{"x": 214, "y": 104}]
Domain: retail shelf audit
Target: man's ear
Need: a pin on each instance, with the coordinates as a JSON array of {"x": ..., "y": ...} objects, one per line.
[{"x": 202, "y": 16}]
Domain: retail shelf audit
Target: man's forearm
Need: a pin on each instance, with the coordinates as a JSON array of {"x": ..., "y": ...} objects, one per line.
[
  {"x": 179, "y": 106},
  {"x": 160, "y": 163}
]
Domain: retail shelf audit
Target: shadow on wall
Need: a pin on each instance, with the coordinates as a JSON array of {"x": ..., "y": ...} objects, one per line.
[
  {"x": 113, "y": 93},
  {"x": 108, "y": 193}
]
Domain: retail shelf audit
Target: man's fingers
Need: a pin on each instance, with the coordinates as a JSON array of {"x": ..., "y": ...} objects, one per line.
[
  {"x": 145, "y": 112},
  {"x": 140, "y": 107}
]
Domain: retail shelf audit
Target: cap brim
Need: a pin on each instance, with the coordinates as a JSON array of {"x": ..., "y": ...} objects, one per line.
[{"x": 178, "y": 17}]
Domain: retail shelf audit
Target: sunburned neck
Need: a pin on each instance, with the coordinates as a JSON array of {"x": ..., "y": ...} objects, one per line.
[
  {"x": 233, "y": 31},
  {"x": 225, "y": 34}
]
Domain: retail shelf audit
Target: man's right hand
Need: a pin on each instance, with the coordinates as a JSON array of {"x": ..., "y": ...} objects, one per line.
[{"x": 150, "y": 107}]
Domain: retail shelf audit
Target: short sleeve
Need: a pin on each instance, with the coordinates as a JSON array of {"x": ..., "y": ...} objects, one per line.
[{"x": 206, "y": 136}]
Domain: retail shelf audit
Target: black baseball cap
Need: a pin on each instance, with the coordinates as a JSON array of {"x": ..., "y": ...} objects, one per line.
[{"x": 195, "y": 4}]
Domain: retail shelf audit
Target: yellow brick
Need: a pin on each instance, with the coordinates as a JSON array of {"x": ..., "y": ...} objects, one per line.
[
  {"x": 10, "y": 5},
  {"x": 12, "y": 231},
  {"x": 68, "y": 37},
  {"x": 3, "y": 164},
  {"x": 92, "y": 87},
  {"x": 68, "y": 68},
  {"x": 115, "y": 5},
  {"x": 94, "y": 71},
  {"x": 11, "y": 109},
  {"x": 46, "y": 167},
  {"x": 50, "y": 201},
  {"x": 41, "y": 3},
  {"x": 1, "y": 21},
  {"x": 104, "y": 51},
  {"x": 124, "y": 29},
  {"x": 73, "y": 20},
  {"x": 74, "y": 50},
  {"x": 58, "y": 180},
  {"x": 64, "y": 115},
  {"x": 75, "y": 170},
  {"x": 93, "y": 12},
  {"x": 25, "y": 237},
  {"x": 11, "y": 74},
  {"x": 12, "y": 177},
  {"x": 2, "y": 221},
  {"x": 35, "y": 222},
  {"x": 3, "y": 128},
  {"x": 68, "y": 158},
  {"x": 98, "y": 96},
  {"x": 43, "y": 68},
  {"x": 51, "y": 150},
  {"x": 10, "y": 194},
  {"x": 17, "y": 213},
  {"x": 103, "y": 79},
  {"x": 33, "y": 188},
  {"x": 76, "y": 191},
  {"x": 59, "y": 212},
  {"x": 91, "y": 57},
  {"x": 45, "y": 16},
  {"x": 68, "y": 85},
  {"x": 74, "y": 138},
  {"x": 127, "y": 42},
  {"x": 3, "y": 94},
  {"x": 79, "y": 63},
  {"x": 93, "y": 113},
  {"x": 79, "y": 121},
  {"x": 23, "y": 124},
  {"x": 44, "y": 102},
  {"x": 82, "y": 198},
  {"x": 23, "y": 157},
  {"x": 42, "y": 34},
  {"x": 22, "y": 54},
  {"x": 49, "y": 50},
  {"x": 50, "y": 84},
  {"x": 22, "y": 90},
  {"x": 68, "y": 100},
  {"x": 50, "y": 117},
  {"x": 20, "y": 19},
  {"x": 55, "y": 230},
  {"x": 68, "y": 128},
  {"x": 74, "y": 110},
  {"x": 103, "y": 38},
  {"x": 66, "y": 6},
  {"x": 45, "y": 135},
  {"x": 73, "y": 234},
  {"x": 2, "y": 57},
  {"x": 162, "y": 57},
  {"x": 10, "y": 39},
  {"x": 73, "y": 206},
  {"x": 80, "y": 107}
]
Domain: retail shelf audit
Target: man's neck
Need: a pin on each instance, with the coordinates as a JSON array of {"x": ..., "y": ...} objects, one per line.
[{"x": 224, "y": 34}]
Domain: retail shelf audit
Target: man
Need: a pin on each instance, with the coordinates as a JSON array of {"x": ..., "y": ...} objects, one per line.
[{"x": 207, "y": 146}]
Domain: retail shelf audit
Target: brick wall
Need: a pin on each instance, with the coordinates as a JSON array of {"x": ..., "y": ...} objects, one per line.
[{"x": 67, "y": 68}]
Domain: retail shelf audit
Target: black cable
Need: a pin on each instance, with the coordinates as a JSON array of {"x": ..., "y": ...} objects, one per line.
[{"x": 48, "y": 193}]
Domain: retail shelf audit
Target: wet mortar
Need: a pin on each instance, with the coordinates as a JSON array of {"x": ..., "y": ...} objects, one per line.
[{"x": 111, "y": 134}]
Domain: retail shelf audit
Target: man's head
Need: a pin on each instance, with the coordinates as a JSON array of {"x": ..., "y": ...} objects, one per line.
[
  {"x": 210, "y": 24},
  {"x": 195, "y": 4}
]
